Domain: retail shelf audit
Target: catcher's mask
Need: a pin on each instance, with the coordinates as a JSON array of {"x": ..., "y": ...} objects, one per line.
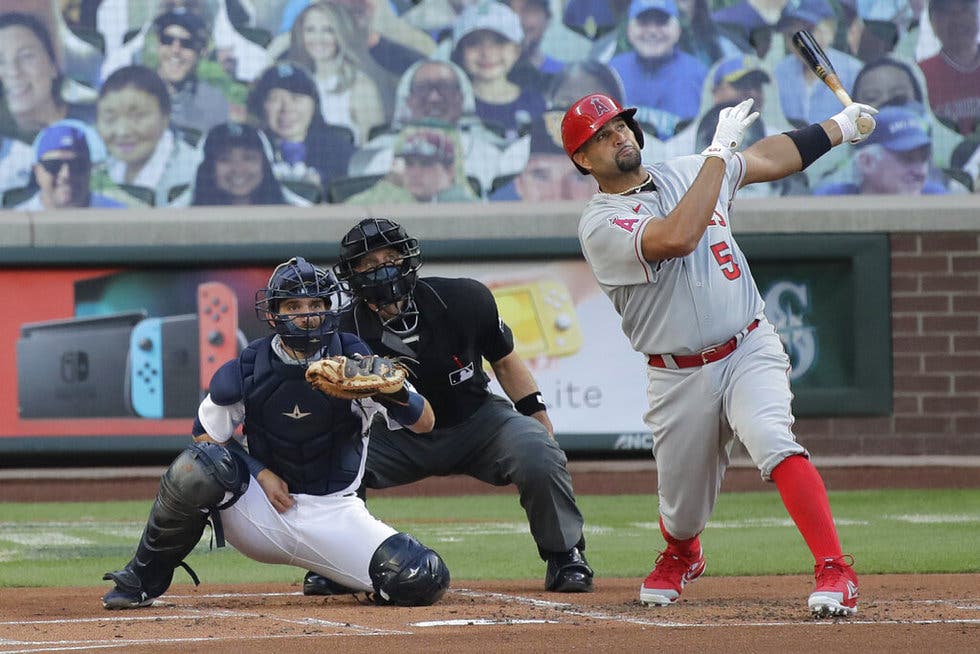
[
  {"x": 298, "y": 278},
  {"x": 389, "y": 283}
]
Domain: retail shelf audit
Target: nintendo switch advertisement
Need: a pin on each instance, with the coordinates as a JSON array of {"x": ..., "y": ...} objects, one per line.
[
  {"x": 117, "y": 352},
  {"x": 104, "y": 352}
]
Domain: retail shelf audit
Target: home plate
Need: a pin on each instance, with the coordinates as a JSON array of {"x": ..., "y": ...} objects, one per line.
[{"x": 477, "y": 621}]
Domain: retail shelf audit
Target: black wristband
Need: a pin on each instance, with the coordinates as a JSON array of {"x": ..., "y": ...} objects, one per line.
[
  {"x": 530, "y": 404},
  {"x": 812, "y": 142}
]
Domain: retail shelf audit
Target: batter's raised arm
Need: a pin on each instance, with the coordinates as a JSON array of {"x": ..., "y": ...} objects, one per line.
[
  {"x": 679, "y": 232},
  {"x": 780, "y": 155}
]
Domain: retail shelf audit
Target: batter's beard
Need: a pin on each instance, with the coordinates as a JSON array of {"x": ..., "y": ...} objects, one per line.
[{"x": 630, "y": 162}]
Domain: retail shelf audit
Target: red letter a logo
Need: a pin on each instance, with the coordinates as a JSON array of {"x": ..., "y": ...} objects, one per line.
[
  {"x": 626, "y": 223},
  {"x": 599, "y": 107}
]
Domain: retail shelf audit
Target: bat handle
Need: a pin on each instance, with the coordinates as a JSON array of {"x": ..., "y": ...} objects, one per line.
[{"x": 864, "y": 124}]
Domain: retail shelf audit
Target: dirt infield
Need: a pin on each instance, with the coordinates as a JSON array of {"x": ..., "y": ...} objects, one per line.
[
  {"x": 897, "y": 613},
  {"x": 936, "y": 613}
]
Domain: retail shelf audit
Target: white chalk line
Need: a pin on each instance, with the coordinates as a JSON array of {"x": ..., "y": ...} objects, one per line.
[
  {"x": 319, "y": 622},
  {"x": 349, "y": 629},
  {"x": 230, "y": 595},
  {"x": 344, "y": 629},
  {"x": 479, "y": 622},
  {"x": 80, "y": 645},
  {"x": 574, "y": 610}
]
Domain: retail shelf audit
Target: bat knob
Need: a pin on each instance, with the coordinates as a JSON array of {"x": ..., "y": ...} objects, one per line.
[{"x": 865, "y": 124}]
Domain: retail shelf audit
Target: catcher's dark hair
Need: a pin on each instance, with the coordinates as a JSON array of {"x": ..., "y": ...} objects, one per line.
[{"x": 297, "y": 277}]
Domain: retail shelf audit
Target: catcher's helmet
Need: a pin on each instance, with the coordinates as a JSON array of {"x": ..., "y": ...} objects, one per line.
[
  {"x": 298, "y": 278},
  {"x": 587, "y": 116},
  {"x": 388, "y": 283}
]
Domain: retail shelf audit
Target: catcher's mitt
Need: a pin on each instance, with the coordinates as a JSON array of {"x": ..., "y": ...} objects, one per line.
[{"x": 356, "y": 377}]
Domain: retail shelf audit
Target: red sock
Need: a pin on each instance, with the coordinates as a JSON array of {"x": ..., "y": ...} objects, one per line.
[
  {"x": 805, "y": 498},
  {"x": 682, "y": 547}
]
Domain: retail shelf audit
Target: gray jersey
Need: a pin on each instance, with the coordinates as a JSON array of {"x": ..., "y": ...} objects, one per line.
[{"x": 681, "y": 305}]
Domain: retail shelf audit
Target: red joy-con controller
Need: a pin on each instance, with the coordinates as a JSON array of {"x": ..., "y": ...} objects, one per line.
[{"x": 217, "y": 313}]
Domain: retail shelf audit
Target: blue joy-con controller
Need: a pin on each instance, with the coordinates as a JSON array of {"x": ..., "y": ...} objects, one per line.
[
  {"x": 146, "y": 368},
  {"x": 164, "y": 367}
]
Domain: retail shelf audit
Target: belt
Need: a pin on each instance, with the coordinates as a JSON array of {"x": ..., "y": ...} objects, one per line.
[{"x": 710, "y": 355}]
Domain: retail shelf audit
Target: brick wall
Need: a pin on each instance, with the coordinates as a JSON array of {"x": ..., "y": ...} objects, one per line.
[{"x": 935, "y": 280}]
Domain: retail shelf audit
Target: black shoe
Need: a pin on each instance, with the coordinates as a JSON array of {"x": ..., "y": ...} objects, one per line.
[
  {"x": 314, "y": 584},
  {"x": 568, "y": 572},
  {"x": 128, "y": 593}
]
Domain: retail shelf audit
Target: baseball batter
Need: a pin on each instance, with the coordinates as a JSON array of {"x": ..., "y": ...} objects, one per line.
[
  {"x": 292, "y": 499},
  {"x": 660, "y": 244}
]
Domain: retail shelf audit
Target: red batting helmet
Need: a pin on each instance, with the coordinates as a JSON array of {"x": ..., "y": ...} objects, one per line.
[{"x": 587, "y": 116}]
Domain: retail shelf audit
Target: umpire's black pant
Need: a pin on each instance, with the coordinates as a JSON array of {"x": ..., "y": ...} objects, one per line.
[{"x": 497, "y": 445}]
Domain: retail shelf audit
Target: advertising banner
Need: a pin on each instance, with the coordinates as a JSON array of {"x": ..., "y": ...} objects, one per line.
[{"x": 124, "y": 352}]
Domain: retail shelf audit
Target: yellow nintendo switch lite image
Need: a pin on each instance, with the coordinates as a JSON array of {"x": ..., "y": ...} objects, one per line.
[{"x": 542, "y": 317}]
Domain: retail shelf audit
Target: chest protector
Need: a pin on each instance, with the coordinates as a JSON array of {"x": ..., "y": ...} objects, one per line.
[{"x": 310, "y": 440}]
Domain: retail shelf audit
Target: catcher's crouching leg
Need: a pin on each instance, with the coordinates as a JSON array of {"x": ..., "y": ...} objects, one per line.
[
  {"x": 407, "y": 573},
  {"x": 203, "y": 478}
]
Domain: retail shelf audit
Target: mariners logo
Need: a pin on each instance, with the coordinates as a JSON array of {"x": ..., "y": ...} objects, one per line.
[{"x": 786, "y": 307}]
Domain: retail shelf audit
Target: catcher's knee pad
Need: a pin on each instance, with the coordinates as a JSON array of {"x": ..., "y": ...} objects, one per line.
[
  {"x": 407, "y": 573},
  {"x": 205, "y": 476}
]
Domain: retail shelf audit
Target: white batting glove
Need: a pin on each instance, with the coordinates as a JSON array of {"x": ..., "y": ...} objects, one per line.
[
  {"x": 847, "y": 120},
  {"x": 732, "y": 123}
]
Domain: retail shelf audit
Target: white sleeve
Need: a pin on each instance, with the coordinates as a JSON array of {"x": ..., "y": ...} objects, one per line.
[{"x": 220, "y": 422}]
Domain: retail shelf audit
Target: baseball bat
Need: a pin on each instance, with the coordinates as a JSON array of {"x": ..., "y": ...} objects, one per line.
[{"x": 816, "y": 59}]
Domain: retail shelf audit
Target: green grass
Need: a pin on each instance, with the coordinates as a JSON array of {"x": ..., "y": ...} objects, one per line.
[{"x": 486, "y": 537}]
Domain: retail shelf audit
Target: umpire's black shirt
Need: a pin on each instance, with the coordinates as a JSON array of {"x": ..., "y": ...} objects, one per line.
[{"x": 458, "y": 327}]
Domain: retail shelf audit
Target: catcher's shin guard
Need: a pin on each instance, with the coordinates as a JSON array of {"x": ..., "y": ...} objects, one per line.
[
  {"x": 407, "y": 573},
  {"x": 203, "y": 478}
]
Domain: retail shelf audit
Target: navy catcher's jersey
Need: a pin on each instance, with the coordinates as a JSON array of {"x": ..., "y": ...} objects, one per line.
[
  {"x": 458, "y": 327},
  {"x": 315, "y": 443}
]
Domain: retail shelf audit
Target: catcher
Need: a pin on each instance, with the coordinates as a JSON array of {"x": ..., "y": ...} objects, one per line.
[
  {"x": 447, "y": 327},
  {"x": 292, "y": 499}
]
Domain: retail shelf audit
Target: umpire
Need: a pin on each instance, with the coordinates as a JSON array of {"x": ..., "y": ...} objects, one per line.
[{"x": 447, "y": 327}]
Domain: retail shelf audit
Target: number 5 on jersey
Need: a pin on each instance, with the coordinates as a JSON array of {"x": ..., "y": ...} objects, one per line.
[{"x": 723, "y": 255}]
